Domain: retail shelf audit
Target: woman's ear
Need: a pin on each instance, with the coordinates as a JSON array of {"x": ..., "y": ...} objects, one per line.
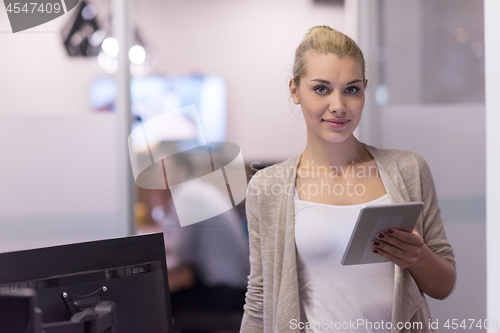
[
  {"x": 366, "y": 83},
  {"x": 294, "y": 91}
]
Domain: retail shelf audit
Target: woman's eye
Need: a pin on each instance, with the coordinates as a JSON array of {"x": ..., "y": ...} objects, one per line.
[
  {"x": 320, "y": 89},
  {"x": 352, "y": 90}
]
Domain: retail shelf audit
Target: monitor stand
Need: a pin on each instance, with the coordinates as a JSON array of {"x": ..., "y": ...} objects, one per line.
[
  {"x": 20, "y": 312},
  {"x": 101, "y": 319}
]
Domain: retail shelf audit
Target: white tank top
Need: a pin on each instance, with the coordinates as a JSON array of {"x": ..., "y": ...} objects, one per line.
[{"x": 356, "y": 298}]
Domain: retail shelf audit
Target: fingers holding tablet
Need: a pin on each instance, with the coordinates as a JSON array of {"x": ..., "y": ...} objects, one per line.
[{"x": 401, "y": 247}]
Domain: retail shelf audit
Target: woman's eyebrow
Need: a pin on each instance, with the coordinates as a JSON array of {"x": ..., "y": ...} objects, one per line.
[
  {"x": 322, "y": 81},
  {"x": 328, "y": 82}
]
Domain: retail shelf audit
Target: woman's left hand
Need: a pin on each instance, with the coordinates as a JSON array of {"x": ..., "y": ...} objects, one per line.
[{"x": 401, "y": 247}]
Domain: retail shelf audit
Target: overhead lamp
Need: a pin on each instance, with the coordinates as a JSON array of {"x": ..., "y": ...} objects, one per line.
[
  {"x": 137, "y": 54},
  {"x": 142, "y": 55},
  {"x": 82, "y": 35},
  {"x": 110, "y": 46}
]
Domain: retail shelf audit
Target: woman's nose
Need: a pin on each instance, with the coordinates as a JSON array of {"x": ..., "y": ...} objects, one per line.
[{"x": 336, "y": 102}]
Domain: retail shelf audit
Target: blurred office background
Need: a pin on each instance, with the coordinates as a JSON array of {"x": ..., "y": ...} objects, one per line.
[{"x": 60, "y": 174}]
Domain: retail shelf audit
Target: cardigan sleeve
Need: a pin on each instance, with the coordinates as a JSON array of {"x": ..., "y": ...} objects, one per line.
[
  {"x": 433, "y": 230},
  {"x": 253, "y": 321}
]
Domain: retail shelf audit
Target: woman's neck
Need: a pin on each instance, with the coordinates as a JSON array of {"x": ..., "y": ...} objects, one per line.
[{"x": 338, "y": 154}]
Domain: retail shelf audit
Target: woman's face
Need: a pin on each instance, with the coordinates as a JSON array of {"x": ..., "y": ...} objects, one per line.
[{"x": 332, "y": 96}]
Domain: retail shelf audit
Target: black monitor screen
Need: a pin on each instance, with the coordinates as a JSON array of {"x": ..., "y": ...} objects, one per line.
[{"x": 129, "y": 271}]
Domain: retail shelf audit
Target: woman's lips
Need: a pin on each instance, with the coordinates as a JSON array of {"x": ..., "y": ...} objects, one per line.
[{"x": 336, "y": 123}]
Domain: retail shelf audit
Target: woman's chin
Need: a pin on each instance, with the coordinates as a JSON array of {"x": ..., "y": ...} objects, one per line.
[{"x": 336, "y": 138}]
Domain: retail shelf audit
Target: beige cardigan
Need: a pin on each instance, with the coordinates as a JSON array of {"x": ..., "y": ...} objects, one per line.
[{"x": 272, "y": 299}]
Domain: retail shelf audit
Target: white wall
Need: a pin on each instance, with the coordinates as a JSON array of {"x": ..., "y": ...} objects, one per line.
[
  {"x": 58, "y": 180},
  {"x": 402, "y": 28},
  {"x": 492, "y": 66},
  {"x": 38, "y": 78}
]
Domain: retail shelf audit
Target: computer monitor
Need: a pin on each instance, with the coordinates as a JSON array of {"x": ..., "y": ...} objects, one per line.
[{"x": 130, "y": 272}]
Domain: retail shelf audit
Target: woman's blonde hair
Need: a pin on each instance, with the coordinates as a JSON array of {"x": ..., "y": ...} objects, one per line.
[{"x": 323, "y": 40}]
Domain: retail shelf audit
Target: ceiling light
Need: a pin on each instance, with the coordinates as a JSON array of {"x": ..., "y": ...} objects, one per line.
[
  {"x": 137, "y": 54},
  {"x": 110, "y": 46}
]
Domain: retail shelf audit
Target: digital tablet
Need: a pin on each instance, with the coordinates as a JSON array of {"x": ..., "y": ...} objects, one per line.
[{"x": 377, "y": 218}]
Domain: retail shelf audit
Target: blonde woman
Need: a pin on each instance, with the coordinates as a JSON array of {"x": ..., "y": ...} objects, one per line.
[{"x": 302, "y": 211}]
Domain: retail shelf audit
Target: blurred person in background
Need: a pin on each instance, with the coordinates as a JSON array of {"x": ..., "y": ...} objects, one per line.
[{"x": 208, "y": 261}]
